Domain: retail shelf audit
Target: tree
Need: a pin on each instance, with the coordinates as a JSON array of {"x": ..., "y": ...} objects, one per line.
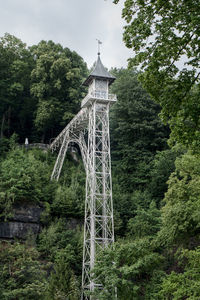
[
  {"x": 63, "y": 283},
  {"x": 56, "y": 84},
  {"x": 161, "y": 168},
  {"x": 131, "y": 266},
  {"x": 163, "y": 35},
  {"x": 145, "y": 223},
  {"x": 22, "y": 276},
  {"x": 136, "y": 135},
  {"x": 16, "y": 110},
  {"x": 40, "y": 88},
  {"x": 184, "y": 284},
  {"x": 180, "y": 214},
  {"x": 62, "y": 244},
  {"x": 24, "y": 178},
  {"x": 136, "y": 131}
]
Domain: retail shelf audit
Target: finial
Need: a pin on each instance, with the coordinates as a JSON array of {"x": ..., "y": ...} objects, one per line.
[{"x": 99, "y": 43}]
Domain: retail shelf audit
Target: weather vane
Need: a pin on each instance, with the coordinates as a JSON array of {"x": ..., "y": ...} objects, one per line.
[{"x": 99, "y": 43}]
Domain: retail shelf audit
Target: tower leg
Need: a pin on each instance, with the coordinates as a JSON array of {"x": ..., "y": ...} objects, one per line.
[{"x": 98, "y": 227}]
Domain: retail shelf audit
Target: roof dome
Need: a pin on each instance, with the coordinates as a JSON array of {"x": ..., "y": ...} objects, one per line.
[{"x": 99, "y": 72}]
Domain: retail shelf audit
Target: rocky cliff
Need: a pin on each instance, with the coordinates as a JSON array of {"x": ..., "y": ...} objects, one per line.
[{"x": 25, "y": 221}]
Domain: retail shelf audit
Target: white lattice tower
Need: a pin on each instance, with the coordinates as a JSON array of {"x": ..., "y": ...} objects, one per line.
[
  {"x": 98, "y": 228},
  {"x": 93, "y": 118}
]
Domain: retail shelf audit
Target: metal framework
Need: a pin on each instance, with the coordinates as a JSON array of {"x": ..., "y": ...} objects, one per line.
[{"x": 90, "y": 130}]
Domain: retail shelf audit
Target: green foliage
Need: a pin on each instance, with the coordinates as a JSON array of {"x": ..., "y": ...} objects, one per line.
[
  {"x": 4, "y": 146},
  {"x": 136, "y": 135},
  {"x": 132, "y": 201},
  {"x": 56, "y": 84},
  {"x": 136, "y": 131},
  {"x": 23, "y": 178},
  {"x": 62, "y": 246},
  {"x": 16, "y": 110},
  {"x": 70, "y": 194},
  {"x": 63, "y": 283},
  {"x": 129, "y": 267},
  {"x": 145, "y": 223},
  {"x": 57, "y": 236},
  {"x": 146, "y": 261},
  {"x": 66, "y": 202},
  {"x": 7, "y": 144},
  {"x": 164, "y": 35},
  {"x": 40, "y": 88},
  {"x": 180, "y": 215},
  {"x": 185, "y": 285},
  {"x": 22, "y": 276},
  {"x": 161, "y": 168},
  {"x": 147, "y": 265},
  {"x": 186, "y": 123}
]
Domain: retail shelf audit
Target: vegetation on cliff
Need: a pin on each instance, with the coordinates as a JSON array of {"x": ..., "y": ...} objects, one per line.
[{"x": 156, "y": 191}]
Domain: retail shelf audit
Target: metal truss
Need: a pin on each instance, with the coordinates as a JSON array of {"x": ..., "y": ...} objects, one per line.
[
  {"x": 77, "y": 124},
  {"x": 90, "y": 130},
  {"x": 67, "y": 138},
  {"x": 73, "y": 132},
  {"x": 98, "y": 226}
]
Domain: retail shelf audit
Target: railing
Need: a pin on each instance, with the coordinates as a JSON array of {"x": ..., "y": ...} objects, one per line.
[
  {"x": 98, "y": 95},
  {"x": 36, "y": 145},
  {"x": 102, "y": 95}
]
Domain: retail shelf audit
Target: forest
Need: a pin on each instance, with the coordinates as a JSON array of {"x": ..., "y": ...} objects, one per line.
[{"x": 155, "y": 139}]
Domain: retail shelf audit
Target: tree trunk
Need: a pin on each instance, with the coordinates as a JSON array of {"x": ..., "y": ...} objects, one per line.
[
  {"x": 9, "y": 118},
  {"x": 2, "y": 125},
  {"x": 43, "y": 138}
]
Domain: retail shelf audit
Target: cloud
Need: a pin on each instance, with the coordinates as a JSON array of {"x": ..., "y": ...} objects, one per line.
[{"x": 75, "y": 24}]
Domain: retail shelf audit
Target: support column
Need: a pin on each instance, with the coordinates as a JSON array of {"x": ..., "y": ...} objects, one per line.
[{"x": 98, "y": 228}]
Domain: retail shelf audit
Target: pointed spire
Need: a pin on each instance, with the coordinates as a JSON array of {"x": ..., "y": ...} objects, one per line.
[
  {"x": 99, "y": 72},
  {"x": 99, "y": 43}
]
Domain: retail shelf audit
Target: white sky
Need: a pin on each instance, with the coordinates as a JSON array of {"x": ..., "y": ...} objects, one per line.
[{"x": 73, "y": 23}]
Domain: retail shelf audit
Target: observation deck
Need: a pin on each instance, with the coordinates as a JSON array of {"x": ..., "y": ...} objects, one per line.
[{"x": 99, "y": 96}]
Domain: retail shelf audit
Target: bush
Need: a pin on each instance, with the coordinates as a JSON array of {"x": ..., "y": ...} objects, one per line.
[{"x": 24, "y": 178}]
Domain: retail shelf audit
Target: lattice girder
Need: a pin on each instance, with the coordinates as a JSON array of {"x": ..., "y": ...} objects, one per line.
[
  {"x": 90, "y": 130},
  {"x": 98, "y": 230}
]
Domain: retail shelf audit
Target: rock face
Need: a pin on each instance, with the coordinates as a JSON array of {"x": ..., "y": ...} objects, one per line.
[
  {"x": 73, "y": 224},
  {"x": 26, "y": 221},
  {"x": 11, "y": 230},
  {"x": 27, "y": 213}
]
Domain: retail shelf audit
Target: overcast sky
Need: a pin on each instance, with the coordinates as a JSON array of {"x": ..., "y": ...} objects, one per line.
[{"x": 73, "y": 23}]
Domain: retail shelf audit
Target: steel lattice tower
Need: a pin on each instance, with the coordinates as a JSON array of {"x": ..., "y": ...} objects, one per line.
[{"x": 90, "y": 130}]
